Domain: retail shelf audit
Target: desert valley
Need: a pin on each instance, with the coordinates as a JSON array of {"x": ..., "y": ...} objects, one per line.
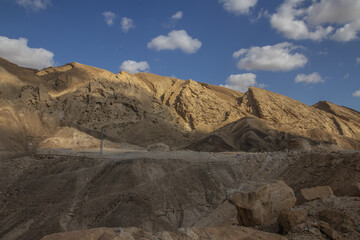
[{"x": 180, "y": 159}]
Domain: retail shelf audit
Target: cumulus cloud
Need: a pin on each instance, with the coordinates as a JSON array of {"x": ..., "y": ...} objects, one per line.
[
  {"x": 289, "y": 20},
  {"x": 134, "y": 67},
  {"x": 177, "y": 39},
  {"x": 348, "y": 32},
  {"x": 34, "y": 4},
  {"x": 312, "y": 78},
  {"x": 238, "y": 6},
  {"x": 177, "y": 16},
  {"x": 127, "y": 24},
  {"x": 358, "y": 60},
  {"x": 240, "y": 82},
  {"x": 17, "y": 51},
  {"x": 333, "y": 11},
  {"x": 109, "y": 17},
  {"x": 279, "y": 57},
  {"x": 335, "y": 19},
  {"x": 356, "y": 93}
]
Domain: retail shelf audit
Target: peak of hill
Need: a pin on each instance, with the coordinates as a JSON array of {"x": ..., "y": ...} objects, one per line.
[{"x": 145, "y": 108}]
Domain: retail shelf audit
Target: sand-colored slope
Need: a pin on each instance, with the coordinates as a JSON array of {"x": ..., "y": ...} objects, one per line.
[
  {"x": 201, "y": 106},
  {"x": 145, "y": 108},
  {"x": 349, "y": 118},
  {"x": 289, "y": 115},
  {"x": 72, "y": 138}
]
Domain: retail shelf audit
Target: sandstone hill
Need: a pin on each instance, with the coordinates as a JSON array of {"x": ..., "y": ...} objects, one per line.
[{"x": 144, "y": 108}]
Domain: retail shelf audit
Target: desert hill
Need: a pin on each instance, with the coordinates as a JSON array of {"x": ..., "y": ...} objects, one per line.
[
  {"x": 144, "y": 108},
  {"x": 54, "y": 184}
]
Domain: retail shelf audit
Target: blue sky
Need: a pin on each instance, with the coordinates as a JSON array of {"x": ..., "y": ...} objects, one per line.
[{"x": 308, "y": 50}]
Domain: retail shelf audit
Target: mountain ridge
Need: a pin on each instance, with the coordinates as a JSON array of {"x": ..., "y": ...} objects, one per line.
[{"x": 146, "y": 108}]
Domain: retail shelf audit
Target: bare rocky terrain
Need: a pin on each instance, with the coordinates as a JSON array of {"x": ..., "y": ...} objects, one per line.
[
  {"x": 144, "y": 108},
  {"x": 175, "y": 153},
  {"x": 156, "y": 191}
]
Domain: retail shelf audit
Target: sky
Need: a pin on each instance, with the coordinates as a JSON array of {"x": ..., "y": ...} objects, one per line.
[{"x": 308, "y": 50}]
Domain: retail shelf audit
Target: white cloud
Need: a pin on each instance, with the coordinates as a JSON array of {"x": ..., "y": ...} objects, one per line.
[
  {"x": 127, "y": 24},
  {"x": 34, "y": 4},
  {"x": 237, "y": 54},
  {"x": 289, "y": 20},
  {"x": 348, "y": 32},
  {"x": 333, "y": 11},
  {"x": 358, "y": 60},
  {"x": 171, "y": 23},
  {"x": 109, "y": 17},
  {"x": 279, "y": 57},
  {"x": 318, "y": 20},
  {"x": 356, "y": 93},
  {"x": 312, "y": 78},
  {"x": 241, "y": 82},
  {"x": 177, "y": 39},
  {"x": 134, "y": 67},
  {"x": 17, "y": 51},
  {"x": 177, "y": 16},
  {"x": 238, "y": 6}
]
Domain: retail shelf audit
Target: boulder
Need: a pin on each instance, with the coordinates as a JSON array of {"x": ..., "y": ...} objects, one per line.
[
  {"x": 310, "y": 194},
  {"x": 289, "y": 218},
  {"x": 258, "y": 203}
]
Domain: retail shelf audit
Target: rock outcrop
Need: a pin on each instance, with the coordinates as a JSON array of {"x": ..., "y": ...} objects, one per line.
[
  {"x": 251, "y": 134},
  {"x": 258, "y": 203},
  {"x": 332, "y": 218},
  {"x": 309, "y": 194}
]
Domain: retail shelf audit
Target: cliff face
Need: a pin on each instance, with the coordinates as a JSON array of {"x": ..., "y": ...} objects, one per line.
[
  {"x": 145, "y": 108},
  {"x": 312, "y": 122}
]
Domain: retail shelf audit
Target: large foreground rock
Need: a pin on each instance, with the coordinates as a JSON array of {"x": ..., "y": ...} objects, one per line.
[
  {"x": 225, "y": 233},
  {"x": 260, "y": 202}
]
